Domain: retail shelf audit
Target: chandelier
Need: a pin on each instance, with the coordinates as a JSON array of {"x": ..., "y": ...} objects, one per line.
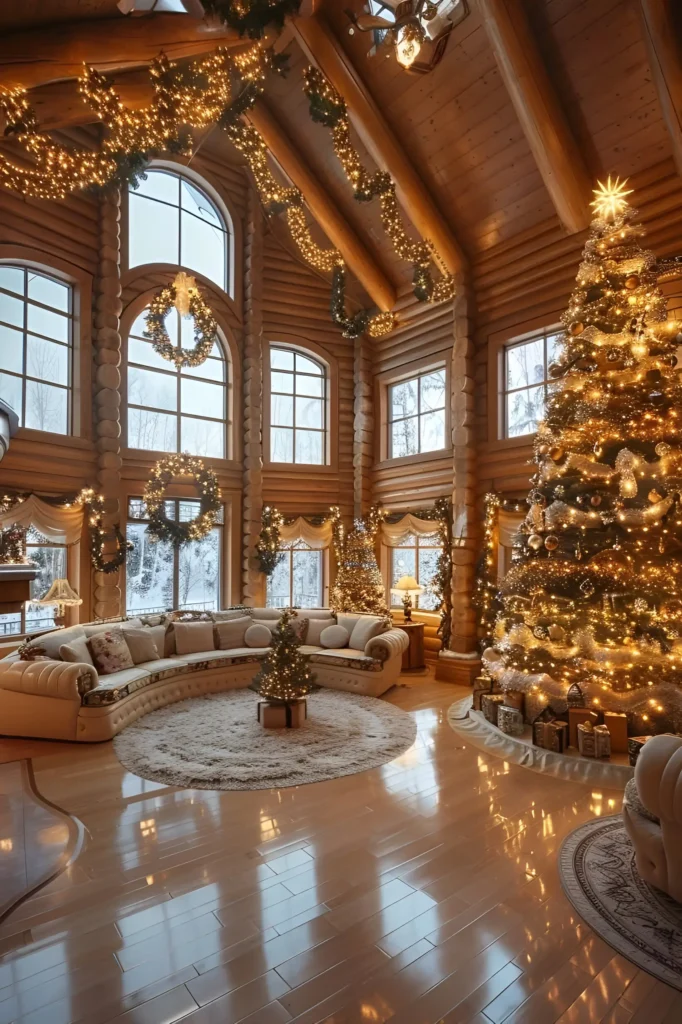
[{"x": 414, "y": 31}]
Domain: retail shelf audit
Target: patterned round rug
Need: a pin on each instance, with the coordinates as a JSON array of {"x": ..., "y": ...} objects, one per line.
[
  {"x": 216, "y": 742},
  {"x": 599, "y": 876}
]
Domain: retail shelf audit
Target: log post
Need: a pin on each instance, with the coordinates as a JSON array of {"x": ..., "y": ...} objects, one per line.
[
  {"x": 363, "y": 427},
  {"x": 107, "y": 309},
  {"x": 252, "y": 578}
]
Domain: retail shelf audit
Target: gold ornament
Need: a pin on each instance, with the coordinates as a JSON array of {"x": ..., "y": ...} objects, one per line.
[
  {"x": 535, "y": 541},
  {"x": 595, "y": 500},
  {"x": 576, "y": 328},
  {"x": 654, "y": 496},
  {"x": 557, "y": 453},
  {"x": 551, "y": 542},
  {"x": 632, "y": 282}
]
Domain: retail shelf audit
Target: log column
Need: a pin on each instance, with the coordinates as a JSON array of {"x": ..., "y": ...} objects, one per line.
[
  {"x": 363, "y": 427},
  {"x": 461, "y": 663},
  {"x": 107, "y": 354},
  {"x": 252, "y": 578}
]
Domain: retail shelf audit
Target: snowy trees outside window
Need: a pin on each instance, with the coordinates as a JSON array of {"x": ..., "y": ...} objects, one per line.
[
  {"x": 36, "y": 338},
  {"x": 525, "y": 382},
  {"x": 416, "y": 415},
  {"x": 160, "y": 577},
  {"x": 418, "y": 557},
  {"x": 50, "y": 558},
  {"x": 297, "y": 579},
  {"x": 298, "y": 408}
]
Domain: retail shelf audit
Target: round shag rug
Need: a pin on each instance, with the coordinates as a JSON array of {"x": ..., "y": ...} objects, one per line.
[
  {"x": 216, "y": 742},
  {"x": 600, "y": 878}
]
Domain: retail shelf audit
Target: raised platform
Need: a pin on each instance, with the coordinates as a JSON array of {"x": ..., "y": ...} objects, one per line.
[{"x": 481, "y": 733}]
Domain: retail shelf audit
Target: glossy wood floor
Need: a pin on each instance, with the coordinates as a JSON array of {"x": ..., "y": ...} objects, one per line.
[{"x": 424, "y": 891}]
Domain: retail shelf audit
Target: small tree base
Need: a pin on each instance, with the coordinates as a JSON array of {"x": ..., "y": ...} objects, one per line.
[{"x": 290, "y": 714}]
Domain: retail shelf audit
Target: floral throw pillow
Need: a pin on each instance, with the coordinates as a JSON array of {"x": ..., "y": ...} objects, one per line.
[{"x": 110, "y": 652}]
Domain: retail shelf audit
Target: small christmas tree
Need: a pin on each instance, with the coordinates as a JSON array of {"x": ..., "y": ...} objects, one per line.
[
  {"x": 594, "y": 596},
  {"x": 285, "y": 675},
  {"x": 359, "y": 585}
]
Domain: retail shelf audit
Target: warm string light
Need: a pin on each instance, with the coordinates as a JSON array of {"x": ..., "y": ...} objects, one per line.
[
  {"x": 167, "y": 469},
  {"x": 284, "y": 675},
  {"x": 267, "y": 546},
  {"x": 359, "y": 585},
  {"x": 329, "y": 108},
  {"x": 183, "y": 294}
]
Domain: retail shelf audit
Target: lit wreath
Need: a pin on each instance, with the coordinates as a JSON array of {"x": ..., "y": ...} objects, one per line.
[
  {"x": 162, "y": 528},
  {"x": 187, "y": 299}
]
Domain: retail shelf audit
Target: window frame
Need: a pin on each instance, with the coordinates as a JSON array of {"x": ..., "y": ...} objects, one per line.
[
  {"x": 394, "y": 603},
  {"x": 309, "y": 350},
  {"x": 223, "y": 546},
  {"x": 232, "y": 279},
  {"x": 227, "y": 384},
  {"x": 49, "y": 623},
  {"x": 505, "y": 392},
  {"x": 71, "y": 315},
  {"x": 290, "y": 550},
  {"x": 386, "y": 442}
]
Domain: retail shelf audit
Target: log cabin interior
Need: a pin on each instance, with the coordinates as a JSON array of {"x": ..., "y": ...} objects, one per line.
[{"x": 340, "y": 580}]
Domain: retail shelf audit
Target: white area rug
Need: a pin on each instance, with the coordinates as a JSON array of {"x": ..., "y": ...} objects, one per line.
[
  {"x": 598, "y": 873},
  {"x": 215, "y": 741}
]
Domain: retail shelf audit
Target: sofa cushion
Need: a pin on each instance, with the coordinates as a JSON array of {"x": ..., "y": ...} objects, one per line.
[
  {"x": 232, "y": 633},
  {"x": 346, "y": 657},
  {"x": 266, "y": 613},
  {"x": 334, "y": 636},
  {"x": 633, "y": 800},
  {"x": 53, "y": 641},
  {"x": 116, "y": 686},
  {"x": 91, "y": 628},
  {"x": 214, "y": 659},
  {"x": 158, "y": 635},
  {"x": 258, "y": 636},
  {"x": 310, "y": 649},
  {"x": 365, "y": 628},
  {"x": 192, "y": 637},
  {"x": 110, "y": 652},
  {"x": 316, "y": 613},
  {"x": 76, "y": 651},
  {"x": 226, "y": 614},
  {"x": 141, "y": 644},
  {"x": 315, "y": 627},
  {"x": 348, "y": 620}
]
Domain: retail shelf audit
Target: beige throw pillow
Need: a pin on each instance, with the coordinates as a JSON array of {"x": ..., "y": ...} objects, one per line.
[
  {"x": 110, "y": 652},
  {"x": 232, "y": 634},
  {"x": 76, "y": 651},
  {"x": 193, "y": 637},
  {"x": 334, "y": 636},
  {"x": 315, "y": 627},
  {"x": 141, "y": 645},
  {"x": 364, "y": 629},
  {"x": 257, "y": 636}
]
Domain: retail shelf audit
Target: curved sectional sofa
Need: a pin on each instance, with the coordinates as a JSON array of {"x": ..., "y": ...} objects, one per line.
[{"x": 65, "y": 700}]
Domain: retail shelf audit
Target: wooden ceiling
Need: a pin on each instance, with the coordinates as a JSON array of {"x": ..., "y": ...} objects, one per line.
[{"x": 458, "y": 125}]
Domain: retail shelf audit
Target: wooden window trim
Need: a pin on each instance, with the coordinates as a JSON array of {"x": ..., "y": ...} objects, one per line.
[{"x": 416, "y": 368}]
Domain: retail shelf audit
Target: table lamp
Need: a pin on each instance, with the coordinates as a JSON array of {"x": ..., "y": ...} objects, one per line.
[
  {"x": 63, "y": 595},
  {"x": 407, "y": 588}
]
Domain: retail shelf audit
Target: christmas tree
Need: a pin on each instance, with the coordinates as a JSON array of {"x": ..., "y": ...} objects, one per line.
[
  {"x": 359, "y": 585},
  {"x": 284, "y": 675},
  {"x": 593, "y": 600}
]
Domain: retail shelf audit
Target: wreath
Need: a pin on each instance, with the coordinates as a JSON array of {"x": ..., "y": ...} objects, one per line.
[
  {"x": 205, "y": 325},
  {"x": 162, "y": 528}
]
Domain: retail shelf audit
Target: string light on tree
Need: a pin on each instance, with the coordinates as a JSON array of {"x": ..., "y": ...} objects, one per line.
[
  {"x": 359, "y": 585},
  {"x": 285, "y": 675}
]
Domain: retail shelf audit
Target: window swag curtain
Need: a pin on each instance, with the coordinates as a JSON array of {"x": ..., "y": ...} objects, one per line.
[
  {"x": 315, "y": 536},
  {"x": 393, "y": 534},
  {"x": 508, "y": 524},
  {"x": 57, "y": 523}
]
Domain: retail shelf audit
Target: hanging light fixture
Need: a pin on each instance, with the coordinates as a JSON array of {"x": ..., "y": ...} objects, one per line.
[{"x": 415, "y": 30}]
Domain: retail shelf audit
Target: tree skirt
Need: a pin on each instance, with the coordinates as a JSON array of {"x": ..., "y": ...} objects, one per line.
[
  {"x": 599, "y": 876},
  {"x": 215, "y": 741}
]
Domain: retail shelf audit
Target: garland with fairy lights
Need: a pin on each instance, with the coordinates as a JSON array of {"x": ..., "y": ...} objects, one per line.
[
  {"x": 160, "y": 526},
  {"x": 268, "y": 554},
  {"x": 252, "y": 17},
  {"x": 328, "y": 107},
  {"x": 205, "y": 326}
]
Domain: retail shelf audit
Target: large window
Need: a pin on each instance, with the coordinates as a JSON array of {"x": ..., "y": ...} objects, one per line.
[
  {"x": 170, "y": 220},
  {"x": 298, "y": 578},
  {"x": 418, "y": 557},
  {"x": 171, "y": 410},
  {"x": 161, "y": 577},
  {"x": 416, "y": 415},
  {"x": 525, "y": 382},
  {"x": 298, "y": 408},
  {"x": 36, "y": 337},
  {"x": 50, "y": 558}
]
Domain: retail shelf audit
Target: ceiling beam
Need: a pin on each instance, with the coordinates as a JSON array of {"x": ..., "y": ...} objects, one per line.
[
  {"x": 49, "y": 54},
  {"x": 665, "y": 59},
  {"x": 336, "y": 228},
  {"x": 539, "y": 111},
  {"x": 323, "y": 49}
]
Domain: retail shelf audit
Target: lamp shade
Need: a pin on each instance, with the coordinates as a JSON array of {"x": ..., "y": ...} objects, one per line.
[
  {"x": 62, "y": 593},
  {"x": 407, "y": 585}
]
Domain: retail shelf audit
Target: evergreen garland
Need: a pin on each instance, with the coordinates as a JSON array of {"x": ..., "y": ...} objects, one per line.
[
  {"x": 252, "y": 17},
  {"x": 267, "y": 546},
  {"x": 205, "y": 328},
  {"x": 351, "y": 326},
  {"x": 177, "y": 533}
]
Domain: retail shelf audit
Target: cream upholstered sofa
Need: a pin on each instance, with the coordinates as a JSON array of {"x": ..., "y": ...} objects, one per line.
[
  {"x": 652, "y": 811},
  {"x": 66, "y": 700}
]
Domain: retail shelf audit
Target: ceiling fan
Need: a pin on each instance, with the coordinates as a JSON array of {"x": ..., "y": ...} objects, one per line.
[{"x": 411, "y": 26}]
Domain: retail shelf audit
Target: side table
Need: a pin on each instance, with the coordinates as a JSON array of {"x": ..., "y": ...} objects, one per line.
[{"x": 413, "y": 657}]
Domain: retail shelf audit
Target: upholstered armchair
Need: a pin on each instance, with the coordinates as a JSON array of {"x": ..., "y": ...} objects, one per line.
[{"x": 652, "y": 811}]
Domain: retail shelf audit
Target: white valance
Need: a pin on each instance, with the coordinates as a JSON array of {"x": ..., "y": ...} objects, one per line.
[
  {"x": 508, "y": 524},
  {"x": 394, "y": 534},
  {"x": 301, "y": 530},
  {"x": 59, "y": 524}
]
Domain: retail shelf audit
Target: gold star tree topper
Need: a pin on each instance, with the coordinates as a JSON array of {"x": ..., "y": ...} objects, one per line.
[{"x": 610, "y": 199}]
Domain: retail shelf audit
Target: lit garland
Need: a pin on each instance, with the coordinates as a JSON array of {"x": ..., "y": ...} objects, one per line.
[
  {"x": 267, "y": 546},
  {"x": 442, "y": 580},
  {"x": 205, "y": 325},
  {"x": 13, "y": 546},
  {"x": 164, "y": 529},
  {"x": 284, "y": 675},
  {"x": 328, "y": 107},
  {"x": 252, "y": 17}
]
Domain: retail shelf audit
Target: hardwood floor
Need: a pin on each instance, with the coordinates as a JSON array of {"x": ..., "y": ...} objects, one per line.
[{"x": 424, "y": 891}]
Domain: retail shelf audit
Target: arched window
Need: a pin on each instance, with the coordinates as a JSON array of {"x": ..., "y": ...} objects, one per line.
[
  {"x": 171, "y": 220},
  {"x": 171, "y": 410},
  {"x": 36, "y": 347},
  {"x": 298, "y": 408}
]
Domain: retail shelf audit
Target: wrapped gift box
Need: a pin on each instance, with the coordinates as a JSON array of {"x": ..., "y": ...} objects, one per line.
[
  {"x": 282, "y": 715},
  {"x": 602, "y": 741},
  {"x": 514, "y": 699},
  {"x": 533, "y": 705},
  {"x": 510, "y": 720},
  {"x": 556, "y": 737},
  {"x": 576, "y": 717},
  {"x": 586, "y": 739},
  {"x": 490, "y": 704},
  {"x": 617, "y": 724},
  {"x": 635, "y": 744}
]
